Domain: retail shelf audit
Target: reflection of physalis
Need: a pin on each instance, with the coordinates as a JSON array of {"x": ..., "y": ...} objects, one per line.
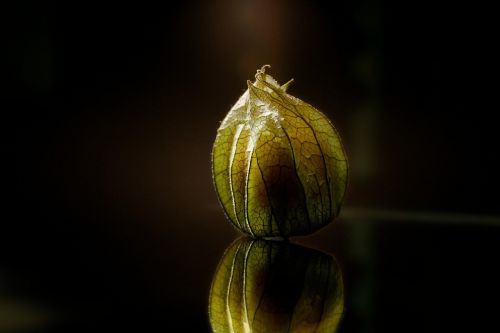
[
  {"x": 278, "y": 164},
  {"x": 266, "y": 286}
]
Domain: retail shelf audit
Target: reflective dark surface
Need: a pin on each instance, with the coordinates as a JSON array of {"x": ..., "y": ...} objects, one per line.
[{"x": 423, "y": 276}]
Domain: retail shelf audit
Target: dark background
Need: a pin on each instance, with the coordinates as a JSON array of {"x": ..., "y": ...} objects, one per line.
[{"x": 110, "y": 109}]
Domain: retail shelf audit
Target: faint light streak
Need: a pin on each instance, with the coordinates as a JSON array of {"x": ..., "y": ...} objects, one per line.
[{"x": 360, "y": 213}]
